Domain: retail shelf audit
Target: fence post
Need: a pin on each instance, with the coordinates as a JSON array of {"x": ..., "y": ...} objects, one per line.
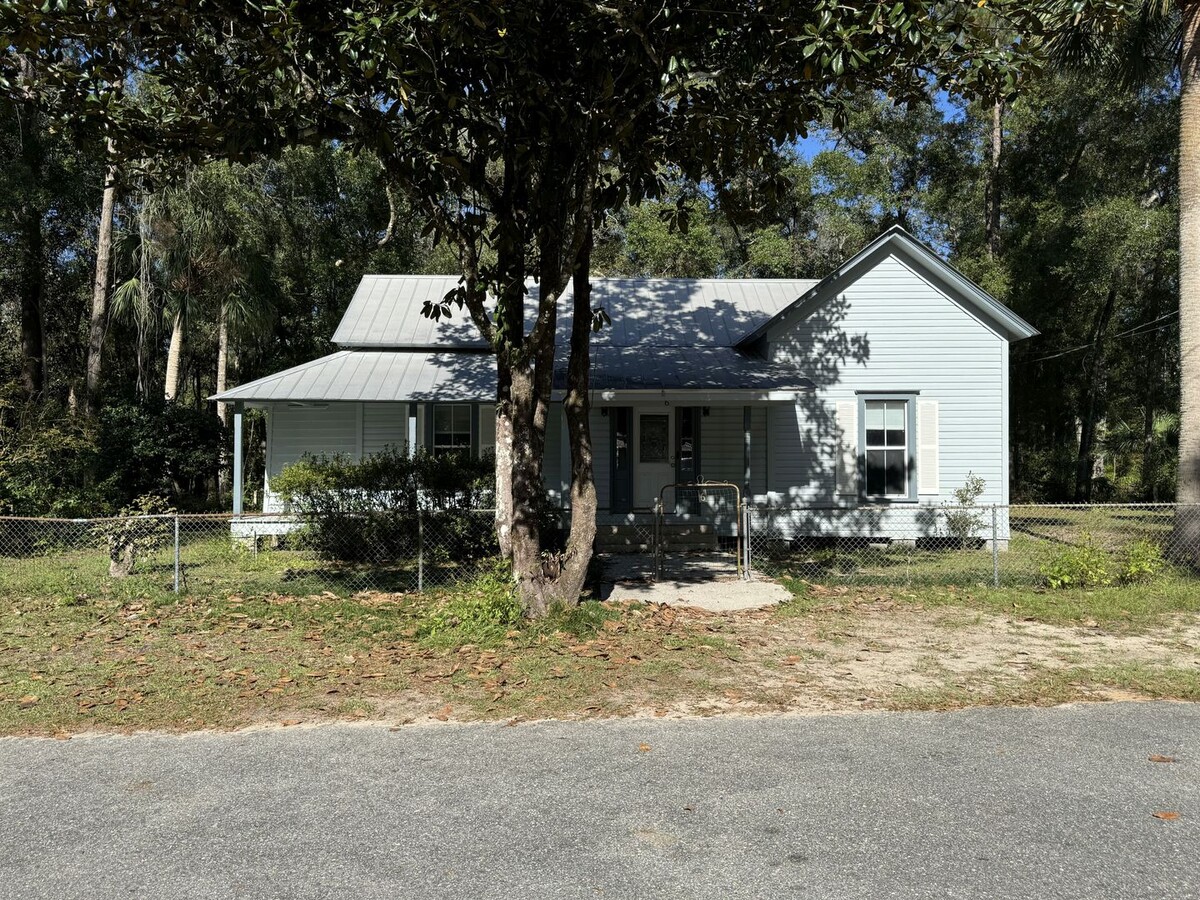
[
  {"x": 658, "y": 539},
  {"x": 177, "y": 553},
  {"x": 995, "y": 545},
  {"x": 420, "y": 551},
  {"x": 746, "y": 538}
]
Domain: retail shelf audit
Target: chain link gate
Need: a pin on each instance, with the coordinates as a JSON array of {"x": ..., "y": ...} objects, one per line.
[{"x": 705, "y": 543}]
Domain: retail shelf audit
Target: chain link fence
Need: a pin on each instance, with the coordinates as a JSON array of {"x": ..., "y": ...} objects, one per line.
[
  {"x": 1016, "y": 545},
  {"x": 1001, "y": 546},
  {"x": 248, "y": 554}
]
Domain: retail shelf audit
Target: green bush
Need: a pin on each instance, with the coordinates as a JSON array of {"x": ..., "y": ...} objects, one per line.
[
  {"x": 1081, "y": 565},
  {"x": 47, "y": 463},
  {"x": 1089, "y": 565},
  {"x": 1142, "y": 561},
  {"x": 141, "y": 528},
  {"x": 372, "y": 510},
  {"x": 483, "y": 609}
]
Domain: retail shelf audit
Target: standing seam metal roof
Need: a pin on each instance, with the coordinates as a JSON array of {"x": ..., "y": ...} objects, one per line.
[{"x": 386, "y": 311}]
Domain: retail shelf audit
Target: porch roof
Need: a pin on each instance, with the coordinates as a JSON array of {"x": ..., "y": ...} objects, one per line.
[
  {"x": 458, "y": 376},
  {"x": 684, "y": 369}
]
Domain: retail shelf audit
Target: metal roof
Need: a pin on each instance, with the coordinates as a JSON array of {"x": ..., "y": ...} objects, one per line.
[
  {"x": 680, "y": 368},
  {"x": 685, "y": 312},
  {"x": 386, "y": 311},
  {"x": 377, "y": 375},
  {"x": 460, "y": 376}
]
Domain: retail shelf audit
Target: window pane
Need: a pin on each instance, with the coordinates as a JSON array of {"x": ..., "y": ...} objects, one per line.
[
  {"x": 897, "y": 477},
  {"x": 443, "y": 418},
  {"x": 895, "y": 416},
  {"x": 462, "y": 418},
  {"x": 876, "y": 482},
  {"x": 653, "y": 440},
  {"x": 874, "y": 419}
]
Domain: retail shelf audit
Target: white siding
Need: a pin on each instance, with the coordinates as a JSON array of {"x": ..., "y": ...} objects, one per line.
[
  {"x": 602, "y": 447},
  {"x": 297, "y": 430},
  {"x": 890, "y": 330},
  {"x": 384, "y": 425}
]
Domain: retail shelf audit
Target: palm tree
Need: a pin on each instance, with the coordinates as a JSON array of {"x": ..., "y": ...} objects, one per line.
[{"x": 1140, "y": 41}]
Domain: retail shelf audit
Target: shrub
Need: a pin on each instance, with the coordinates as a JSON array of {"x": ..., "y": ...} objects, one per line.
[
  {"x": 159, "y": 448},
  {"x": 139, "y": 529},
  {"x": 1082, "y": 565},
  {"x": 1088, "y": 565},
  {"x": 1142, "y": 561},
  {"x": 373, "y": 510},
  {"x": 483, "y": 609},
  {"x": 963, "y": 517},
  {"x": 47, "y": 463}
]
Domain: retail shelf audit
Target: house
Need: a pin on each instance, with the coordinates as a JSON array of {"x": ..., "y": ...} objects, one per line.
[{"x": 851, "y": 404}]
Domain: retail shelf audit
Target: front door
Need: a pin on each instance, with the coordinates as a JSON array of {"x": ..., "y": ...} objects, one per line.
[{"x": 654, "y": 439}]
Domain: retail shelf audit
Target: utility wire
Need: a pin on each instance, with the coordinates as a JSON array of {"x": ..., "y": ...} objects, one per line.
[{"x": 1136, "y": 330}]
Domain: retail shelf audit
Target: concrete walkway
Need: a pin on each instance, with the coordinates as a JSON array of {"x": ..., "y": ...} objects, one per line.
[
  {"x": 978, "y": 804},
  {"x": 707, "y": 580}
]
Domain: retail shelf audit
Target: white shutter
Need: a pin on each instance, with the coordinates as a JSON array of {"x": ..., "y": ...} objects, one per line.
[
  {"x": 928, "y": 455},
  {"x": 847, "y": 463}
]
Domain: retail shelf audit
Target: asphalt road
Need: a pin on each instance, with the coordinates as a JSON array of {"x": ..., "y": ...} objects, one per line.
[{"x": 986, "y": 803}]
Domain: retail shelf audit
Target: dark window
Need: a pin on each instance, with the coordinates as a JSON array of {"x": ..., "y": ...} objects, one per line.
[
  {"x": 451, "y": 428},
  {"x": 654, "y": 439},
  {"x": 885, "y": 427}
]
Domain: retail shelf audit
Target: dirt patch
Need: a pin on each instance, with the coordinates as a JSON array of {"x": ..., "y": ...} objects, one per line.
[
  {"x": 291, "y": 661},
  {"x": 872, "y": 650}
]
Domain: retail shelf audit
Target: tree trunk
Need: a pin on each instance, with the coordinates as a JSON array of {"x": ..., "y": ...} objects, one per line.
[
  {"x": 33, "y": 288},
  {"x": 1093, "y": 374},
  {"x": 223, "y": 462},
  {"x": 174, "y": 359},
  {"x": 98, "y": 324},
  {"x": 33, "y": 276},
  {"x": 222, "y": 364},
  {"x": 577, "y": 405},
  {"x": 1187, "y": 525},
  {"x": 993, "y": 190}
]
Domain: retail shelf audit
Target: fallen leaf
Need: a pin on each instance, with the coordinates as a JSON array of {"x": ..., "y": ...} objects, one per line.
[
  {"x": 644, "y": 748},
  {"x": 1162, "y": 759},
  {"x": 1166, "y": 816},
  {"x": 27, "y": 701},
  {"x": 444, "y": 713}
]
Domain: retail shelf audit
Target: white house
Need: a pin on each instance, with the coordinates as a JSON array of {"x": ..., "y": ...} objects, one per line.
[{"x": 854, "y": 402}]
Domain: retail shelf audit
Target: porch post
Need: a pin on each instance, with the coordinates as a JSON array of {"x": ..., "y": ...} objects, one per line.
[
  {"x": 238, "y": 409},
  {"x": 746, "y": 452}
]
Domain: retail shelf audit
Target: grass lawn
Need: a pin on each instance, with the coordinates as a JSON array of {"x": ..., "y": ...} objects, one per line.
[
  {"x": 277, "y": 636},
  {"x": 116, "y": 661}
]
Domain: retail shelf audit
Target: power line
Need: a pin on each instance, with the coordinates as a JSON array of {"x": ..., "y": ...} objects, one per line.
[{"x": 1135, "y": 331}]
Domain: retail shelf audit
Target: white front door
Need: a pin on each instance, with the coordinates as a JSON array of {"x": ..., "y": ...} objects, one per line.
[{"x": 654, "y": 460}]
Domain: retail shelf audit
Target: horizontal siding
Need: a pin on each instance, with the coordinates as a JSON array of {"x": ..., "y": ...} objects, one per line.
[
  {"x": 602, "y": 449},
  {"x": 890, "y": 330},
  {"x": 296, "y": 431},
  {"x": 385, "y": 425}
]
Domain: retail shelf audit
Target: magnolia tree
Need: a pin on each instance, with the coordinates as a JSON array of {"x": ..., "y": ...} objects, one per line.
[{"x": 514, "y": 127}]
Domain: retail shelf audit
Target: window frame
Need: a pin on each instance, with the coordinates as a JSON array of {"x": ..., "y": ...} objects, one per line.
[
  {"x": 437, "y": 449},
  {"x": 909, "y": 398}
]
